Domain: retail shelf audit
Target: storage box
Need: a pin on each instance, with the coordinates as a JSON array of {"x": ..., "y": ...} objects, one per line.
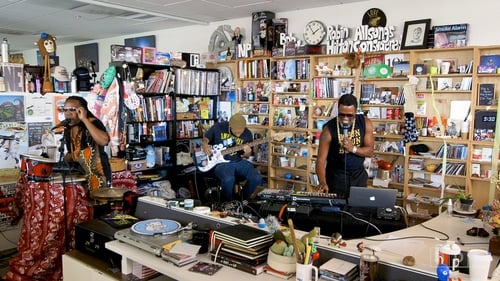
[
  {"x": 126, "y": 53},
  {"x": 137, "y": 165}
]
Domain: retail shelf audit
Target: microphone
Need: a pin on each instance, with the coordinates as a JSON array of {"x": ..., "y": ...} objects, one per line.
[
  {"x": 63, "y": 123},
  {"x": 345, "y": 131}
]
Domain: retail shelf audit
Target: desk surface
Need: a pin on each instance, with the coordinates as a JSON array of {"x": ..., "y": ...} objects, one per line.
[
  {"x": 132, "y": 254},
  {"x": 419, "y": 241}
]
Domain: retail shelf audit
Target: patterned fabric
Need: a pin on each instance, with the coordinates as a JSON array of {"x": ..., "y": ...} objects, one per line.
[
  {"x": 91, "y": 157},
  {"x": 411, "y": 128},
  {"x": 110, "y": 115},
  {"x": 43, "y": 236}
]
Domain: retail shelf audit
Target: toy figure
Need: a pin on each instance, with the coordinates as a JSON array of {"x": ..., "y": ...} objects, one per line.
[{"x": 47, "y": 46}]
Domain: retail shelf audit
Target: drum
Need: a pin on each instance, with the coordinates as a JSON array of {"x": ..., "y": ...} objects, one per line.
[{"x": 36, "y": 166}]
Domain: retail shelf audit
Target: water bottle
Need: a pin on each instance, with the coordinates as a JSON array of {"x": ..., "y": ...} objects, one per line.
[
  {"x": 5, "y": 50},
  {"x": 450, "y": 207},
  {"x": 73, "y": 84}
]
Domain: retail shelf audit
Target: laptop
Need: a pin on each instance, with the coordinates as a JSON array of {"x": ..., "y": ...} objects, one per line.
[{"x": 372, "y": 197}]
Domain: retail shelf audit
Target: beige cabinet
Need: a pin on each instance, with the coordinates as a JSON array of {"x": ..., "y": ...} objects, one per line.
[{"x": 78, "y": 266}]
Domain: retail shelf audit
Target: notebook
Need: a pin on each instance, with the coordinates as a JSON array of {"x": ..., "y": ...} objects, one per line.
[{"x": 372, "y": 197}]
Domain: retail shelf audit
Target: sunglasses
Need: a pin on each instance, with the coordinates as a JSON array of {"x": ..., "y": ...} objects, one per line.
[
  {"x": 70, "y": 109},
  {"x": 346, "y": 115}
]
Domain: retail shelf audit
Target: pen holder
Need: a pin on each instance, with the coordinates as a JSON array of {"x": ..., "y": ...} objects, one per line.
[
  {"x": 281, "y": 263},
  {"x": 304, "y": 272}
]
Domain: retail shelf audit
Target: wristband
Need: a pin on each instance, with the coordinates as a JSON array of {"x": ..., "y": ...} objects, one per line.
[{"x": 354, "y": 149}]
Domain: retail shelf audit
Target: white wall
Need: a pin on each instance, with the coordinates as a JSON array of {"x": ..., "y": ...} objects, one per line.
[{"x": 482, "y": 28}]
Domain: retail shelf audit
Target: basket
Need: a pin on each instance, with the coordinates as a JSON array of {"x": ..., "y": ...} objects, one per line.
[{"x": 117, "y": 164}]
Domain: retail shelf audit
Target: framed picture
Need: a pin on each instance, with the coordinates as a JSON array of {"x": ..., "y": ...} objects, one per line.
[
  {"x": 148, "y": 55},
  {"x": 263, "y": 108},
  {"x": 415, "y": 34},
  {"x": 87, "y": 56},
  {"x": 143, "y": 41}
]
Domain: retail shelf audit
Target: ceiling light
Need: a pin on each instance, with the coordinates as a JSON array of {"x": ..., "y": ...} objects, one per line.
[{"x": 132, "y": 9}]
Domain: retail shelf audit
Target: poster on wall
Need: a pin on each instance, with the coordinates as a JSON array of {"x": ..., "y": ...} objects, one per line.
[
  {"x": 13, "y": 141},
  {"x": 39, "y": 108},
  {"x": 12, "y": 108}
]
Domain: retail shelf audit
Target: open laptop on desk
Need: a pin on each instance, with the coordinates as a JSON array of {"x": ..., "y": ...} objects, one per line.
[{"x": 365, "y": 197}]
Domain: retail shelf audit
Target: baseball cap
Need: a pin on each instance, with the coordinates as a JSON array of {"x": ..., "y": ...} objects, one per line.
[
  {"x": 237, "y": 122},
  {"x": 60, "y": 73}
]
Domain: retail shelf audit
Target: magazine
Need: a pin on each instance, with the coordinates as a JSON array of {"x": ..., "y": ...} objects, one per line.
[{"x": 450, "y": 36}]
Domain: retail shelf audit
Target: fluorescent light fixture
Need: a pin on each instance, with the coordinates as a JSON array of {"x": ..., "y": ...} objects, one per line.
[{"x": 136, "y": 10}]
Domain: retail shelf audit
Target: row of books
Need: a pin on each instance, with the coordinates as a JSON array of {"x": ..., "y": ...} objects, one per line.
[
  {"x": 291, "y": 69},
  {"x": 242, "y": 247},
  {"x": 150, "y": 109},
  {"x": 457, "y": 169},
  {"x": 197, "y": 82},
  {"x": 160, "y": 81},
  {"x": 453, "y": 151},
  {"x": 254, "y": 69},
  {"x": 328, "y": 87},
  {"x": 158, "y": 130}
]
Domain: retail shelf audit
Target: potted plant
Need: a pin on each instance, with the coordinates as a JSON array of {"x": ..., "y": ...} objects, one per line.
[{"x": 465, "y": 199}]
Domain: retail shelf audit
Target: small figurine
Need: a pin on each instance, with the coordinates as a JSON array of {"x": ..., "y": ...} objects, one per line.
[{"x": 237, "y": 37}]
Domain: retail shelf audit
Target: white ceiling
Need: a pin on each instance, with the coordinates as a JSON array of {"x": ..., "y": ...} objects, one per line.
[{"x": 73, "y": 21}]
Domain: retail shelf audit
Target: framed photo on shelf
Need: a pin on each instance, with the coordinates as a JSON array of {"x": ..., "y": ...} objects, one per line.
[
  {"x": 415, "y": 34},
  {"x": 148, "y": 55},
  {"x": 263, "y": 108}
]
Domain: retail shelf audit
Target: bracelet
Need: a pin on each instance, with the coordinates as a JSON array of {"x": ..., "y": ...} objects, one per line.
[{"x": 354, "y": 149}]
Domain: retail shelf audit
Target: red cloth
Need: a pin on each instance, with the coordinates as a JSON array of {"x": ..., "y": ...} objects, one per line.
[{"x": 42, "y": 241}]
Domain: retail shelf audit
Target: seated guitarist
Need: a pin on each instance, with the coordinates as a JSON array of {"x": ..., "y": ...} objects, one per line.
[{"x": 224, "y": 135}]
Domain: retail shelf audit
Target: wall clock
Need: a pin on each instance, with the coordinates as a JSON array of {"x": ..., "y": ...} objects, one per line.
[
  {"x": 226, "y": 76},
  {"x": 314, "y": 32}
]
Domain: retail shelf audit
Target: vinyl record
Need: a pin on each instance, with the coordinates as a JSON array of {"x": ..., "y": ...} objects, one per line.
[
  {"x": 378, "y": 70},
  {"x": 156, "y": 227}
]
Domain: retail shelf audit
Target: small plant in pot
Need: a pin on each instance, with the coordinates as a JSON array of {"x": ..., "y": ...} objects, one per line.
[{"x": 465, "y": 200}]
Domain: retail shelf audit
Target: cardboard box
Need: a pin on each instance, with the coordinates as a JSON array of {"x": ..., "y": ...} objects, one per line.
[
  {"x": 126, "y": 53},
  {"x": 137, "y": 165}
]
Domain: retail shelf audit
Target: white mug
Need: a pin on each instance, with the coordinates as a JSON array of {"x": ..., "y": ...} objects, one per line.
[{"x": 304, "y": 272}]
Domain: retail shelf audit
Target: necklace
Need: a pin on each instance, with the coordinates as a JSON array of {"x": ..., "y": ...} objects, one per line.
[{"x": 341, "y": 136}]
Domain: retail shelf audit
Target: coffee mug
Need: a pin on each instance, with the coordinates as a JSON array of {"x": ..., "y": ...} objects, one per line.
[
  {"x": 451, "y": 257},
  {"x": 304, "y": 272}
]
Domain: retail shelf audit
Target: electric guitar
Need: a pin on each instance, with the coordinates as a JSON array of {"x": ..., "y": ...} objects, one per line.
[{"x": 206, "y": 163}]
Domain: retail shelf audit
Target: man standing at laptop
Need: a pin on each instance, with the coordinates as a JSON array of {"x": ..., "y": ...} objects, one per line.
[{"x": 344, "y": 143}]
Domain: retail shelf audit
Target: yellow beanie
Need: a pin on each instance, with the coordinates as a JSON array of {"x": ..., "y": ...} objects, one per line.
[{"x": 237, "y": 122}]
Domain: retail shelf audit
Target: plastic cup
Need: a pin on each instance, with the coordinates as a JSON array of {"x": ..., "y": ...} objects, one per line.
[{"x": 479, "y": 264}]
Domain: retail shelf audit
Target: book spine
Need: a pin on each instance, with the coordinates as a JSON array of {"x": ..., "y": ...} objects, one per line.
[{"x": 255, "y": 270}]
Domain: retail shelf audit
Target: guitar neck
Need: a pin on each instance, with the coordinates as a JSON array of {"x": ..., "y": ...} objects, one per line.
[{"x": 240, "y": 147}]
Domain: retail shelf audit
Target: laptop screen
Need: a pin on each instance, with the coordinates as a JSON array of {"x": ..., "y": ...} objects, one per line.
[{"x": 372, "y": 197}]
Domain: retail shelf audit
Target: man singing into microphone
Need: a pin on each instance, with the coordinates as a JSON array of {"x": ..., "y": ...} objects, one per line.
[
  {"x": 344, "y": 143},
  {"x": 85, "y": 137}
]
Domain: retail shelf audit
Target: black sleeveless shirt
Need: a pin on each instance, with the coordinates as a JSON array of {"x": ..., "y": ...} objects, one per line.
[{"x": 338, "y": 158}]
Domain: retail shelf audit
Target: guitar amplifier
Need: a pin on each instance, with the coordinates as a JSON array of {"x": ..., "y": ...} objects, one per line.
[{"x": 91, "y": 237}]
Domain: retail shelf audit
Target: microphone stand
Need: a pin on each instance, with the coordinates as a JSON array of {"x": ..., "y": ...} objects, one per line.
[{"x": 64, "y": 168}]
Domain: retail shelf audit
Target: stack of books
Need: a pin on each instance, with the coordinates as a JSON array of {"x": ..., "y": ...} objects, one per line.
[
  {"x": 242, "y": 247},
  {"x": 180, "y": 253},
  {"x": 339, "y": 270}
]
